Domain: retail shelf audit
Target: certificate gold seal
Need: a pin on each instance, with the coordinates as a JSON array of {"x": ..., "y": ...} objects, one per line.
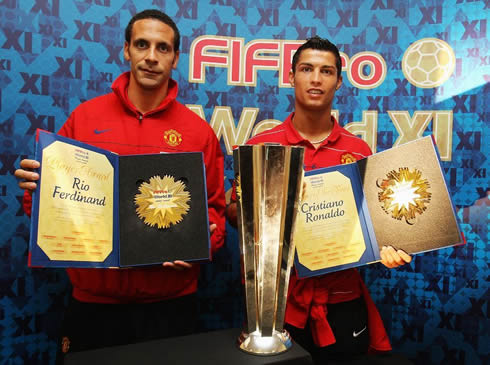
[
  {"x": 162, "y": 202},
  {"x": 404, "y": 194}
]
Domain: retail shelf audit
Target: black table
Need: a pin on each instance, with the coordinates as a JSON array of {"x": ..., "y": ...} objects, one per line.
[{"x": 217, "y": 347}]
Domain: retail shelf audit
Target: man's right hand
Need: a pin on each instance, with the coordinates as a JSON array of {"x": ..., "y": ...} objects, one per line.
[
  {"x": 26, "y": 176},
  {"x": 231, "y": 214}
]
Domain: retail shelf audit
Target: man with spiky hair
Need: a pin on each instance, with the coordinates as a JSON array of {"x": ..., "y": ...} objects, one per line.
[{"x": 332, "y": 316}]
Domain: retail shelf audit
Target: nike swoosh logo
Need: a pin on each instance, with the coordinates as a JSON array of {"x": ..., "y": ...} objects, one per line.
[
  {"x": 97, "y": 131},
  {"x": 355, "y": 334}
]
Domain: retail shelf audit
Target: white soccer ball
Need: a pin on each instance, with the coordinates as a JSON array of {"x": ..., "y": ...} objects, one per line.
[{"x": 428, "y": 62}]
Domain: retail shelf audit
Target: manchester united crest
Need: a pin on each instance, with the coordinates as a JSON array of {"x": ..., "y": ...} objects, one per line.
[
  {"x": 172, "y": 137},
  {"x": 347, "y": 158}
]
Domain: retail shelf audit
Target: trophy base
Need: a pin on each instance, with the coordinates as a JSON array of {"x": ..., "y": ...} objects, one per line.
[{"x": 254, "y": 343}]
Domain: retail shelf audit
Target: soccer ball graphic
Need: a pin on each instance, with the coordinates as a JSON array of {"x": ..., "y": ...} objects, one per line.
[{"x": 428, "y": 62}]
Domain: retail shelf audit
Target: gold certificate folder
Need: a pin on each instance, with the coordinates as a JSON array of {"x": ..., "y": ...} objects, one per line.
[
  {"x": 397, "y": 197},
  {"x": 94, "y": 208},
  {"x": 423, "y": 217}
]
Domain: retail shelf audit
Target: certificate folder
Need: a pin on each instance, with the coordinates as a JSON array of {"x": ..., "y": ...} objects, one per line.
[
  {"x": 397, "y": 198},
  {"x": 85, "y": 209}
]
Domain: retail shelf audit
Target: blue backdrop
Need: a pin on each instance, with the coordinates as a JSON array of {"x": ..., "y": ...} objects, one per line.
[{"x": 411, "y": 68}]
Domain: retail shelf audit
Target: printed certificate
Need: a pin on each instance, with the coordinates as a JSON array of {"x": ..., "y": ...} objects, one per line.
[
  {"x": 330, "y": 234},
  {"x": 397, "y": 198},
  {"x": 75, "y": 218},
  {"x": 94, "y": 208}
]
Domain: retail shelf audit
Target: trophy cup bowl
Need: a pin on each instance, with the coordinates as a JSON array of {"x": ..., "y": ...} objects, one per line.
[{"x": 268, "y": 184}]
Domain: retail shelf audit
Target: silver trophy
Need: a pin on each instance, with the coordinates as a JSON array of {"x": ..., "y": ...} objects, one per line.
[{"x": 268, "y": 184}]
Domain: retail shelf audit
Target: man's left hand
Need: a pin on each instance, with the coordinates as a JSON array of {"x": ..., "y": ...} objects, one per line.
[
  {"x": 393, "y": 258},
  {"x": 178, "y": 265}
]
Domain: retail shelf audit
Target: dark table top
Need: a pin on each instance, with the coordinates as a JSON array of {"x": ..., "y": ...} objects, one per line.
[{"x": 216, "y": 347}]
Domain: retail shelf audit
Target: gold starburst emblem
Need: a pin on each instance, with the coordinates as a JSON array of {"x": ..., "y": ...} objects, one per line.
[
  {"x": 404, "y": 194},
  {"x": 162, "y": 202}
]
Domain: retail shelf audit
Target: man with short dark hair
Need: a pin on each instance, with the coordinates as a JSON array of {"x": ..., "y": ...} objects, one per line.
[
  {"x": 110, "y": 306},
  {"x": 332, "y": 316}
]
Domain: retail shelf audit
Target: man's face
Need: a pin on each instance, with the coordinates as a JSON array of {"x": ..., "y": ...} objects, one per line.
[
  {"x": 151, "y": 54},
  {"x": 315, "y": 80}
]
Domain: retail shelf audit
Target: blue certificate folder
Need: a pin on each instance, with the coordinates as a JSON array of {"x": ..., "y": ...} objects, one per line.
[
  {"x": 133, "y": 242},
  {"x": 402, "y": 200}
]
